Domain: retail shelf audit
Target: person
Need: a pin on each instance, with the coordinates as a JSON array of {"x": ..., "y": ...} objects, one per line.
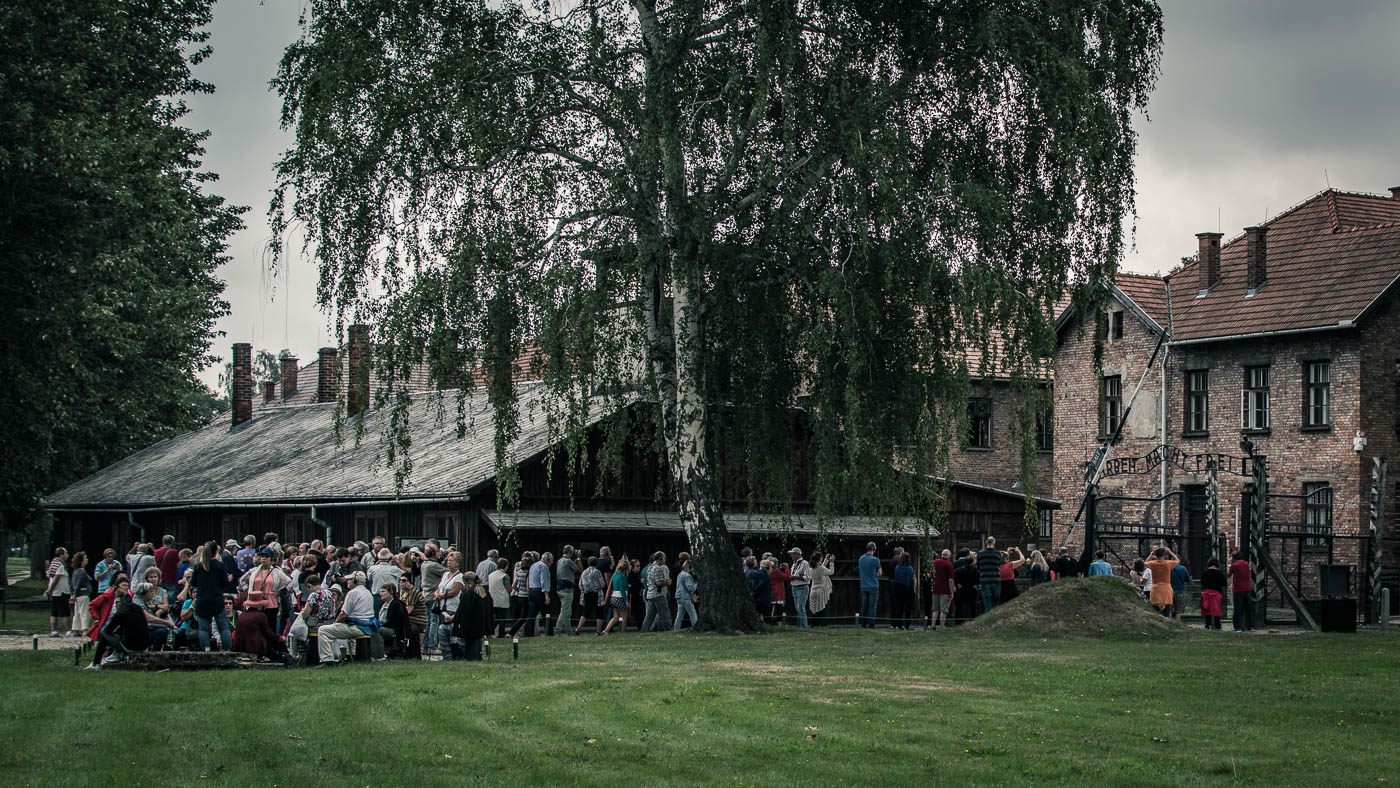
[
  {"x": 1180, "y": 578},
  {"x": 942, "y": 590},
  {"x": 156, "y": 607},
  {"x": 1039, "y": 571},
  {"x": 487, "y": 565},
  {"x": 967, "y": 580},
  {"x": 686, "y": 595},
  {"x": 1213, "y": 584},
  {"x": 498, "y": 585},
  {"x": 520, "y": 593},
  {"x": 541, "y": 586},
  {"x": 186, "y": 558},
  {"x": 617, "y": 599},
  {"x": 760, "y": 587},
  {"x": 394, "y": 629},
  {"x": 820, "y": 599},
  {"x": 565, "y": 587},
  {"x": 145, "y": 559},
  {"x": 106, "y": 569},
  {"x": 658, "y": 591},
  {"x": 168, "y": 559},
  {"x": 210, "y": 581},
  {"x": 591, "y": 584},
  {"x": 801, "y": 584},
  {"x": 356, "y": 618},
  {"x": 254, "y": 635},
  {"x": 345, "y": 564},
  {"x": 1007, "y": 573},
  {"x": 318, "y": 609},
  {"x": 431, "y": 573},
  {"x": 448, "y": 595},
  {"x": 125, "y": 631},
  {"x": 869, "y": 569},
  {"x": 1161, "y": 566},
  {"x": 1140, "y": 577},
  {"x": 1065, "y": 565},
  {"x": 384, "y": 573},
  {"x": 1242, "y": 587},
  {"x": 263, "y": 585},
  {"x": 80, "y": 588},
  {"x": 472, "y": 621},
  {"x": 57, "y": 592},
  {"x": 778, "y": 576},
  {"x": 989, "y": 574},
  {"x": 413, "y": 605},
  {"x": 636, "y": 610},
  {"x": 1099, "y": 566},
  {"x": 246, "y": 556},
  {"x": 902, "y": 582}
]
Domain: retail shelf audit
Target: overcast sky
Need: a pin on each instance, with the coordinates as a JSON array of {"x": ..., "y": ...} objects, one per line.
[{"x": 1259, "y": 105}]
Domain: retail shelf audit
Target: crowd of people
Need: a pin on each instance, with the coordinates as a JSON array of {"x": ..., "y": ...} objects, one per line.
[{"x": 278, "y": 601}]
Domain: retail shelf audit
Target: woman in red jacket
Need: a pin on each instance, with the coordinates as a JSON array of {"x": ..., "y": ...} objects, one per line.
[{"x": 101, "y": 608}]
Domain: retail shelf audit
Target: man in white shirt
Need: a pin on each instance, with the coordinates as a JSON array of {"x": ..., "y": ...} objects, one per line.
[
  {"x": 356, "y": 618},
  {"x": 487, "y": 565},
  {"x": 384, "y": 573}
]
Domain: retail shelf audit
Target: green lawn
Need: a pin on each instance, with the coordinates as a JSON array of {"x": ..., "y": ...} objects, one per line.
[{"x": 815, "y": 708}]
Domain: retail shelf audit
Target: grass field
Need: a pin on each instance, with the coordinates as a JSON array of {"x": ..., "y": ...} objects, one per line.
[{"x": 820, "y": 707}]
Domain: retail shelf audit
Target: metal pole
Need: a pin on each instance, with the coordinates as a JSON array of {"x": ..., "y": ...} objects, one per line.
[
  {"x": 1212, "y": 546},
  {"x": 1259, "y": 544}
]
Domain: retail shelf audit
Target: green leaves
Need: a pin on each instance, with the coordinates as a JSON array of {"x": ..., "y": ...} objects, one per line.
[{"x": 109, "y": 246}]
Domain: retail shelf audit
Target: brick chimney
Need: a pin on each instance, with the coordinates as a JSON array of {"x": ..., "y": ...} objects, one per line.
[
  {"x": 242, "y": 382},
  {"x": 357, "y": 398},
  {"x": 1208, "y": 259},
  {"x": 327, "y": 374},
  {"x": 1256, "y": 255},
  {"x": 289, "y": 376},
  {"x": 269, "y": 388}
]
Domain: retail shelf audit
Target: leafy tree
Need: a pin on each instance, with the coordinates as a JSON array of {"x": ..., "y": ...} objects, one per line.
[
  {"x": 108, "y": 243},
  {"x": 266, "y": 366},
  {"x": 770, "y": 203}
]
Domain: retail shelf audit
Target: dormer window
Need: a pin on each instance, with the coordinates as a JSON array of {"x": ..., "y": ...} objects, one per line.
[{"x": 1115, "y": 322}]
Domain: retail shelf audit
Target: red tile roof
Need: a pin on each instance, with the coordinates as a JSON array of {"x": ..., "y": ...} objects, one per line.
[
  {"x": 1329, "y": 258},
  {"x": 1148, "y": 292}
]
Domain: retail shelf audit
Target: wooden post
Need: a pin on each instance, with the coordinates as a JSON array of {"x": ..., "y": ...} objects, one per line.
[
  {"x": 1373, "y": 565},
  {"x": 1385, "y": 609},
  {"x": 1258, "y": 544}
]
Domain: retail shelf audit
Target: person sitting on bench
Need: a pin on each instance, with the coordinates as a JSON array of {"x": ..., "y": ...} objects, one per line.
[
  {"x": 356, "y": 618},
  {"x": 126, "y": 630}
]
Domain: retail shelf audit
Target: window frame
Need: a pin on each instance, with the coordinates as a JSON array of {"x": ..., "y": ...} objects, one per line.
[
  {"x": 239, "y": 532},
  {"x": 1190, "y": 397},
  {"x": 979, "y": 409},
  {"x": 1322, "y": 388},
  {"x": 433, "y": 527},
  {"x": 1110, "y": 416},
  {"x": 1314, "y": 512},
  {"x": 370, "y": 516},
  {"x": 1046, "y": 525},
  {"x": 1251, "y": 394},
  {"x": 1045, "y": 430}
]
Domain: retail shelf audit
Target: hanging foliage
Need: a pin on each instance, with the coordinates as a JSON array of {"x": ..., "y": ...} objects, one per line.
[{"x": 737, "y": 208}]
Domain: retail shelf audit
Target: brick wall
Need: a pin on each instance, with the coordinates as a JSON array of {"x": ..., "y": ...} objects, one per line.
[
  {"x": 1077, "y": 427},
  {"x": 999, "y": 466}
]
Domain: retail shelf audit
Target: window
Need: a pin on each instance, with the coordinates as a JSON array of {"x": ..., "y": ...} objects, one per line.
[
  {"x": 1116, "y": 325},
  {"x": 1047, "y": 524},
  {"x": 1317, "y": 513},
  {"x": 179, "y": 528},
  {"x": 1111, "y": 411},
  {"x": 440, "y": 525},
  {"x": 235, "y": 527},
  {"x": 1197, "y": 401},
  {"x": 370, "y": 524},
  {"x": 979, "y": 423},
  {"x": 1317, "y": 394},
  {"x": 297, "y": 528},
  {"x": 1045, "y": 430},
  {"x": 1256, "y": 399}
]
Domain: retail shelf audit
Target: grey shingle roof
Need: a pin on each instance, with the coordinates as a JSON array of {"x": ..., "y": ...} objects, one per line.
[{"x": 289, "y": 454}]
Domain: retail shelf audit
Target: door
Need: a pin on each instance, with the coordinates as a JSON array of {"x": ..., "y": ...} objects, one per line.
[{"x": 1193, "y": 528}]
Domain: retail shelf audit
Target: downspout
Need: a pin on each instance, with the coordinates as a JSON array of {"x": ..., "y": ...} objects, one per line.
[
  {"x": 132, "y": 521},
  {"x": 1162, "y": 412},
  {"x": 321, "y": 523}
]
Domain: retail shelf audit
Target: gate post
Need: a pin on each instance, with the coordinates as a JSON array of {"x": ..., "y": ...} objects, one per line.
[
  {"x": 1091, "y": 526},
  {"x": 1373, "y": 565},
  {"x": 1212, "y": 511},
  {"x": 1259, "y": 533}
]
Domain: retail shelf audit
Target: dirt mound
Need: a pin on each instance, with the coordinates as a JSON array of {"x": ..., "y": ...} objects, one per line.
[{"x": 1076, "y": 607}]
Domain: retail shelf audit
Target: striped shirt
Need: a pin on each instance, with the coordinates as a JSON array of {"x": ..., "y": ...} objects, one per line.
[{"x": 989, "y": 565}]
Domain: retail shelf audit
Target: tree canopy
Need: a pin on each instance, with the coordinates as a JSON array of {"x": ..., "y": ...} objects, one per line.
[
  {"x": 109, "y": 242},
  {"x": 754, "y": 206}
]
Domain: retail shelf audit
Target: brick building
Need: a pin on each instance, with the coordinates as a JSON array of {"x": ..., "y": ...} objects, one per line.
[{"x": 1288, "y": 334}]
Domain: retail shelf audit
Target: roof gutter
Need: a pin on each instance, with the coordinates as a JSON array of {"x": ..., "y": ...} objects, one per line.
[
  {"x": 1341, "y": 324},
  {"x": 259, "y": 505}
]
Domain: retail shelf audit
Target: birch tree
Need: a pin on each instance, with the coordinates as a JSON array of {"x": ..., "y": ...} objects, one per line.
[{"x": 770, "y": 204}]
